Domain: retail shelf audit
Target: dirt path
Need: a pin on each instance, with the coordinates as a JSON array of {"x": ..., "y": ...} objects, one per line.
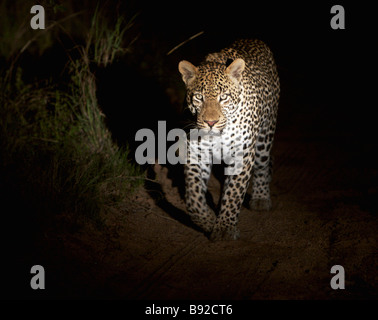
[
  {"x": 319, "y": 219},
  {"x": 324, "y": 193}
]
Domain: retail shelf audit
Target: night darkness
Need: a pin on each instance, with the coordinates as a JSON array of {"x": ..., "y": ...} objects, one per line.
[{"x": 325, "y": 177}]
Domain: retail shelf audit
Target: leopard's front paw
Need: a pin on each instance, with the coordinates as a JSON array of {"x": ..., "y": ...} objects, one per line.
[
  {"x": 224, "y": 233},
  {"x": 205, "y": 222}
]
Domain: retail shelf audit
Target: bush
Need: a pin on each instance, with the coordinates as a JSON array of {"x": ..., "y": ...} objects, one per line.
[{"x": 55, "y": 147}]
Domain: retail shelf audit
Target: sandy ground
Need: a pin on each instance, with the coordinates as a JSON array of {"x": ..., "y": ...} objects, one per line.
[{"x": 150, "y": 250}]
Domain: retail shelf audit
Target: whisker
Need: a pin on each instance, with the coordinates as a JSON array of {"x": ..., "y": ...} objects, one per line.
[{"x": 189, "y": 124}]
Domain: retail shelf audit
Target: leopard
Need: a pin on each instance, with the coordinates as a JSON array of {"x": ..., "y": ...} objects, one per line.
[{"x": 233, "y": 96}]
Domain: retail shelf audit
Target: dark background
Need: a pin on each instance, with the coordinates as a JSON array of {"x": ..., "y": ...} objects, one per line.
[{"x": 321, "y": 69}]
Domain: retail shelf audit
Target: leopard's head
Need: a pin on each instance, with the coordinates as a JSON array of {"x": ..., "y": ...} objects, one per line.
[{"x": 213, "y": 91}]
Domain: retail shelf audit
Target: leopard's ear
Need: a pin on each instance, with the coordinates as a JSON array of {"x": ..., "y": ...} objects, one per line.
[
  {"x": 188, "y": 71},
  {"x": 235, "y": 70}
]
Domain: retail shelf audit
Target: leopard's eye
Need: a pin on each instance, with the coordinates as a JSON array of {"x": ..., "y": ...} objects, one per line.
[
  {"x": 198, "y": 96},
  {"x": 224, "y": 96}
]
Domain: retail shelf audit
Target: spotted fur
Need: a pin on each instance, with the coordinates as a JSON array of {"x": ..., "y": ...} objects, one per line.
[{"x": 234, "y": 94}]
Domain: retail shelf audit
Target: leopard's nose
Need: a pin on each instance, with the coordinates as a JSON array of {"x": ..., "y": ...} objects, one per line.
[{"x": 211, "y": 122}]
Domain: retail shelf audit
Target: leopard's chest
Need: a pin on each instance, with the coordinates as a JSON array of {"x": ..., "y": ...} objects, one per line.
[{"x": 227, "y": 147}]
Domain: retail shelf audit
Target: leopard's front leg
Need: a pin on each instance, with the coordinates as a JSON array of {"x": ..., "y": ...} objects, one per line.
[
  {"x": 235, "y": 188},
  {"x": 196, "y": 179}
]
